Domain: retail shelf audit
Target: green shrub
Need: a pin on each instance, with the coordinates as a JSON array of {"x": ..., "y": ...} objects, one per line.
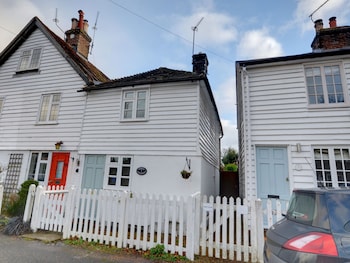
[
  {"x": 232, "y": 167},
  {"x": 158, "y": 253},
  {"x": 17, "y": 202}
]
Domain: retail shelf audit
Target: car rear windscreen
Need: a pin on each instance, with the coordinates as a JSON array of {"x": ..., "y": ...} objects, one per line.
[{"x": 309, "y": 209}]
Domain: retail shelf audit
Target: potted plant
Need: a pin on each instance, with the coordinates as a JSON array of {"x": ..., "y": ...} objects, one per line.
[{"x": 185, "y": 174}]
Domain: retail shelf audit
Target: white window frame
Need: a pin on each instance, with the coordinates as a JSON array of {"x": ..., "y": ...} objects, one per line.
[
  {"x": 326, "y": 102},
  {"x": 30, "y": 59},
  {"x": 34, "y": 169},
  {"x": 134, "y": 101},
  {"x": 45, "y": 114},
  {"x": 111, "y": 173},
  {"x": 337, "y": 156}
]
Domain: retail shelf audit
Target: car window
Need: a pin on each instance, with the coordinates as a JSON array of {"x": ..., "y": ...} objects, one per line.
[
  {"x": 339, "y": 212},
  {"x": 301, "y": 208},
  {"x": 308, "y": 209}
]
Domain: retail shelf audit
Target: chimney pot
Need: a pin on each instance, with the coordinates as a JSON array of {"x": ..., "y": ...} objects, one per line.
[
  {"x": 81, "y": 20},
  {"x": 318, "y": 25},
  {"x": 86, "y": 26},
  {"x": 333, "y": 22},
  {"x": 74, "y": 23}
]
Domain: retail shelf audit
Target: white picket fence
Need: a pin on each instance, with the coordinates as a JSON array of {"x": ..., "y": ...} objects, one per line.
[{"x": 195, "y": 225}]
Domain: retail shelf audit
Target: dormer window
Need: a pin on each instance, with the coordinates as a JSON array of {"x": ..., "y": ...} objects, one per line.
[{"x": 30, "y": 59}]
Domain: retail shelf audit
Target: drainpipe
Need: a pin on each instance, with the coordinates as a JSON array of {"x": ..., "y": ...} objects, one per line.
[{"x": 247, "y": 131}]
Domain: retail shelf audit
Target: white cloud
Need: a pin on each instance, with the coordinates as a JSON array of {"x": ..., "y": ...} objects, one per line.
[
  {"x": 338, "y": 8},
  {"x": 225, "y": 96},
  {"x": 23, "y": 11},
  {"x": 258, "y": 44},
  {"x": 216, "y": 29},
  {"x": 230, "y": 138}
]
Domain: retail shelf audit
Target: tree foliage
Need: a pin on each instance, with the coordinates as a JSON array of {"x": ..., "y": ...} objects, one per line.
[
  {"x": 230, "y": 159},
  {"x": 230, "y": 155}
]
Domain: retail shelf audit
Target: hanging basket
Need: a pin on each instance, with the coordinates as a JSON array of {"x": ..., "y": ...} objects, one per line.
[{"x": 185, "y": 174}]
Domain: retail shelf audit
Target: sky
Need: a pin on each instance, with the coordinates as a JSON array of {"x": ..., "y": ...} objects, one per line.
[{"x": 135, "y": 36}]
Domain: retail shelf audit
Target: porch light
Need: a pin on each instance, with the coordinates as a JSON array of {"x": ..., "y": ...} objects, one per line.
[{"x": 58, "y": 145}]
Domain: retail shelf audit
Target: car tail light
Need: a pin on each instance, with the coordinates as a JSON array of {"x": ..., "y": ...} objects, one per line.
[{"x": 313, "y": 242}]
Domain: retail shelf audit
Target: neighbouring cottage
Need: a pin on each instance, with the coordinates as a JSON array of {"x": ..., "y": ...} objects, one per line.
[
  {"x": 64, "y": 122},
  {"x": 293, "y": 118},
  {"x": 41, "y": 112}
]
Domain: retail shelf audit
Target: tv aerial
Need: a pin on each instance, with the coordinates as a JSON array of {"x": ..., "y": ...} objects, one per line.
[
  {"x": 56, "y": 21},
  {"x": 317, "y": 10},
  {"x": 94, "y": 28},
  {"x": 195, "y": 28}
]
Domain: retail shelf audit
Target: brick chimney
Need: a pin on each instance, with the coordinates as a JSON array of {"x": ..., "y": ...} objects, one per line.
[
  {"x": 200, "y": 63},
  {"x": 77, "y": 37},
  {"x": 334, "y": 37}
]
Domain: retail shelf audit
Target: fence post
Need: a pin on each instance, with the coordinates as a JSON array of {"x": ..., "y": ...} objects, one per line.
[
  {"x": 29, "y": 203},
  {"x": 259, "y": 230},
  {"x": 190, "y": 228},
  {"x": 36, "y": 209},
  {"x": 1, "y": 196},
  {"x": 197, "y": 201},
  {"x": 69, "y": 211}
]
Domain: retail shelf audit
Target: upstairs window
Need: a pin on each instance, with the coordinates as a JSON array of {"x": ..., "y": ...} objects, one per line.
[
  {"x": 29, "y": 59},
  {"x": 324, "y": 85},
  {"x": 49, "y": 108},
  {"x": 118, "y": 172},
  {"x": 135, "y": 104}
]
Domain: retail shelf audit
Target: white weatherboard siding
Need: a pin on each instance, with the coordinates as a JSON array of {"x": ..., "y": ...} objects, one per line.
[
  {"x": 209, "y": 130},
  {"x": 279, "y": 116},
  {"x": 170, "y": 130},
  {"x": 22, "y": 92}
]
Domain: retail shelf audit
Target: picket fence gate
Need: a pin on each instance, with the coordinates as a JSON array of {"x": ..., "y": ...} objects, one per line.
[{"x": 218, "y": 227}]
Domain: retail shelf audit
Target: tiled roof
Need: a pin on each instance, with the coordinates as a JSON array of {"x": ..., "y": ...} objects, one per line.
[
  {"x": 160, "y": 75},
  {"x": 85, "y": 69}
]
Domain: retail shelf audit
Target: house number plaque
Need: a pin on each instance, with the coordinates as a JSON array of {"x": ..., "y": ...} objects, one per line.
[{"x": 141, "y": 171}]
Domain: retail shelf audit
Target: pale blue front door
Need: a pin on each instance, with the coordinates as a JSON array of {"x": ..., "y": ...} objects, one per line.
[
  {"x": 272, "y": 173},
  {"x": 94, "y": 168}
]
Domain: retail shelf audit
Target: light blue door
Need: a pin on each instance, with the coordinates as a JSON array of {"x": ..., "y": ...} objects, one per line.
[
  {"x": 94, "y": 168},
  {"x": 272, "y": 173}
]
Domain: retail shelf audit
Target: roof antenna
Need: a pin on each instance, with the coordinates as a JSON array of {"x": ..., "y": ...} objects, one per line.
[
  {"x": 317, "y": 10},
  {"x": 56, "y": 22},
  {"x": 93, "y": 36},
  {"x": 195, "y": 28}
]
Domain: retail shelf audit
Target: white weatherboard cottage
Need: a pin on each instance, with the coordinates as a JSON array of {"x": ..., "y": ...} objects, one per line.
[
  {"x": 40, "y": 106},
  {"x": 63, "y": 122},
  {"x": 294, "y": 118},
  {"x": 159, "y": 123}
]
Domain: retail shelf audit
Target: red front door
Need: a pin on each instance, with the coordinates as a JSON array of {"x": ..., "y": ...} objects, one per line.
[{"x": 59, "y": 167}]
